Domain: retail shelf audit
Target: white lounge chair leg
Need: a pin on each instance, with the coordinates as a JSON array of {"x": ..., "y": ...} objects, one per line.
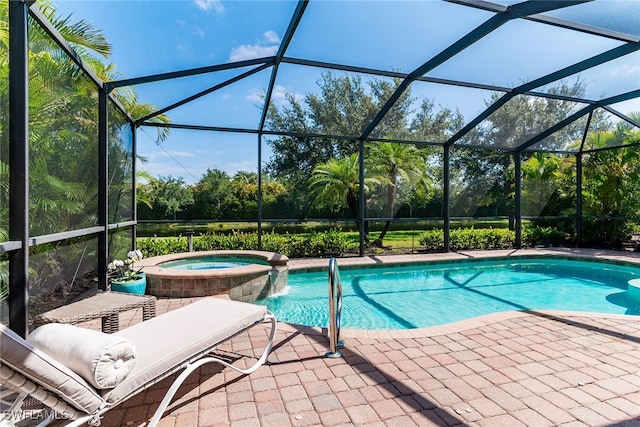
[
  {"x": 83, "y": 421},
  {"x": 4, "y": 394},
  {"x": 15, "y": 409},
  {"x": 195, "y": 365},
  {"x": 9, "y": 414},
  {"x": 47, "y": 421}
]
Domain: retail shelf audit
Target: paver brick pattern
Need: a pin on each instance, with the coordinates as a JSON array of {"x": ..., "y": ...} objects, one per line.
[{"x": 510, "y": 369}]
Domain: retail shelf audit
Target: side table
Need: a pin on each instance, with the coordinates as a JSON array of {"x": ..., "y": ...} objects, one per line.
[{"x": 105, "y": 305}]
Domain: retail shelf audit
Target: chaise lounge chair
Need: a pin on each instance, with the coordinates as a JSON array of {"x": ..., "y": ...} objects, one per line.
[{"x": 179, "y": 340}]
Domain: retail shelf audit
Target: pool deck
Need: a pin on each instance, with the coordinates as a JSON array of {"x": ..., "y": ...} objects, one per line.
[{"x": 548, "y": 368}]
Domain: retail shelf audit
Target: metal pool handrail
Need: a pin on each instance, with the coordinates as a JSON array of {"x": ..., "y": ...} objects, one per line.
[{"x": 335, "y": 309}]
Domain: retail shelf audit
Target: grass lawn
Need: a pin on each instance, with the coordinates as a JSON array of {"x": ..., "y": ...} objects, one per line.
[
  {"x": 399, "y": 239},
  {"x": 401, "y": 232}
]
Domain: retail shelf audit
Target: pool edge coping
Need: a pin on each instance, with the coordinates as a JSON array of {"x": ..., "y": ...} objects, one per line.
[
  {"x": 317, "y": 264},
  {"x": 449, "y": 328}
]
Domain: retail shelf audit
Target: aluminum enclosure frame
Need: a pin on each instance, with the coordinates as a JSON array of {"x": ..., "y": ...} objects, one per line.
[{"x": 17, "y": 248}]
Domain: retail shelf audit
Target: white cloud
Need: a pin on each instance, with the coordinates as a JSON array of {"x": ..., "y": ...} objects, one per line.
[
  {"x": 625, "y": 71},
  {"x": 255, "y": 96},
  {"x": 207, "y": 5},
  {"x": 250, "y": 51},
  {"x": 267, "y": 45},
  {"x": 627, "y": 107},
  {"x": 277, "y": 96},
  {"x": 258, "y": 95},
  {"x": 271, "y": 37},
  {"x": 162, "y": 154},
  {"x": 279, "y": 93},
  {"x": 246, "y": 166}
]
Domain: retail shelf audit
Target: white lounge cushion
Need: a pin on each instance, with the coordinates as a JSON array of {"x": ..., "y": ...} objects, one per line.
[
  {"x": 103, "y": 360},
  {"x": 20, "y": 356},
  {"x": 182, "y": 335},
  {"x": 165, "y": 344}
]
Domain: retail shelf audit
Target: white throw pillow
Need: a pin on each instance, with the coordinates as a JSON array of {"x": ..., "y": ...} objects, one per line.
[{"x": 103, "y": 360}]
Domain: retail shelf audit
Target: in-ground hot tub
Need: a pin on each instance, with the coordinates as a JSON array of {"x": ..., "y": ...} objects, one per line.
[{"x": 243, "y": 275}]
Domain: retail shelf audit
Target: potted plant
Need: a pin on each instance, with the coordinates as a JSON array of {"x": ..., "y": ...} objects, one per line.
[{"x": 127, "y": 279}]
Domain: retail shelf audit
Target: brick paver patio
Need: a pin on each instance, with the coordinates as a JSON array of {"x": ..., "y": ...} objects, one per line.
[{"x": 504, "y": 369}]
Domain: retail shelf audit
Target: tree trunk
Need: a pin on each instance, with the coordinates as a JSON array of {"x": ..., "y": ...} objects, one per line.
[
  {"x": 354, "y": 207},
  {"x": 391, "y": 198}
]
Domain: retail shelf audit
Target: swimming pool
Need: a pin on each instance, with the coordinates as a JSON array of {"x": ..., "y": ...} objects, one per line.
[
  {"x": 212, "y": 263},
  {"x": 420, "y": 295}
]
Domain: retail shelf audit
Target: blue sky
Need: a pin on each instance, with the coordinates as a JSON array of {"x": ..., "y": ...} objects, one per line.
[{"x": 150, "y": 37}]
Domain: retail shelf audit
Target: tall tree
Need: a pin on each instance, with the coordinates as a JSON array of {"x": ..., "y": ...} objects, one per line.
[
  {"x": 612, "y": 182},
  {"x": 542, "y": 184},
  {"x": 344, "y": 106},
  {"x": 483, "y": 177},
  {"x": 168, "y": 196},
  {"x": 337, "y": 182},
  {"x": 245, "y": 189},
  {"x": 63, "y": 123},
  {"x": 213, "y": 196},
  {"x": 396, "y": 165},
  {"x": 63, "y": 130}
]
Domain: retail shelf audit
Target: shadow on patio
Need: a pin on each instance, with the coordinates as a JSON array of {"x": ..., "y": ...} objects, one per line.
[{"x": 516, "y": 369}]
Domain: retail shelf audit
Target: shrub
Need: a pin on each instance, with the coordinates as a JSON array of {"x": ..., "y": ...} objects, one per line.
[
  {"x": 154, "y": 246},
  {"x": 237, "y": 240},
  {"x": 432, "y": 240},
  {"x": 500, "y": 238},
  {"x": 468, "y": 238},
  {"x": 546, "y": 236},
  {"x": 328, "y": 243}
]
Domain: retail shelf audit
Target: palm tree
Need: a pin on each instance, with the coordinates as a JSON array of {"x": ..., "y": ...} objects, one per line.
[
  {"x": 396, "y": 165},
  {"x": 612, "y": 179},
  {"x": 63, "y": 119},
  {"x": 337, "y": 181},
  {"x": 538, "y": 174},
  {"x": 63, "y": 127}
]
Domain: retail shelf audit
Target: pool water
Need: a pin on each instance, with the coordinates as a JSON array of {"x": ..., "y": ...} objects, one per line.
[
  {"x": 211, "y": 262},
  {"x": 423, "y": 295}
]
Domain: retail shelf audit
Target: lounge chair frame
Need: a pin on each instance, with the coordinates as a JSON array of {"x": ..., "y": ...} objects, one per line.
[{"x": 18, "y": 382}]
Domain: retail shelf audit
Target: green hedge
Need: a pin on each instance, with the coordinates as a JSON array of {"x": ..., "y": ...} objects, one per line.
[
  {"x": 335, "y": 243},
  {"x": 489, "y": 238},
  {"x": 545, "y": 236},
  {"x": 329, "y": 243},
  {"x": 154, "y": 246},
  {"x": 468, "y": 238}
]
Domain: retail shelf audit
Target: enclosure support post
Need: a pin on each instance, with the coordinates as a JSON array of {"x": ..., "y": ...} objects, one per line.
[
  {"x": 103, "y": 188},
  {"x": 579, "y": 199},
  {"x": 260, "y": 191},
  {"x": 579, "y": 181},
  {"x": 361, "y": 193},
  {"x": 134, "y": 186},
  {"x": 517, "y": 158},
  {"x": 19, "y": 166},
  {"x": 446, "y": 195}
]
